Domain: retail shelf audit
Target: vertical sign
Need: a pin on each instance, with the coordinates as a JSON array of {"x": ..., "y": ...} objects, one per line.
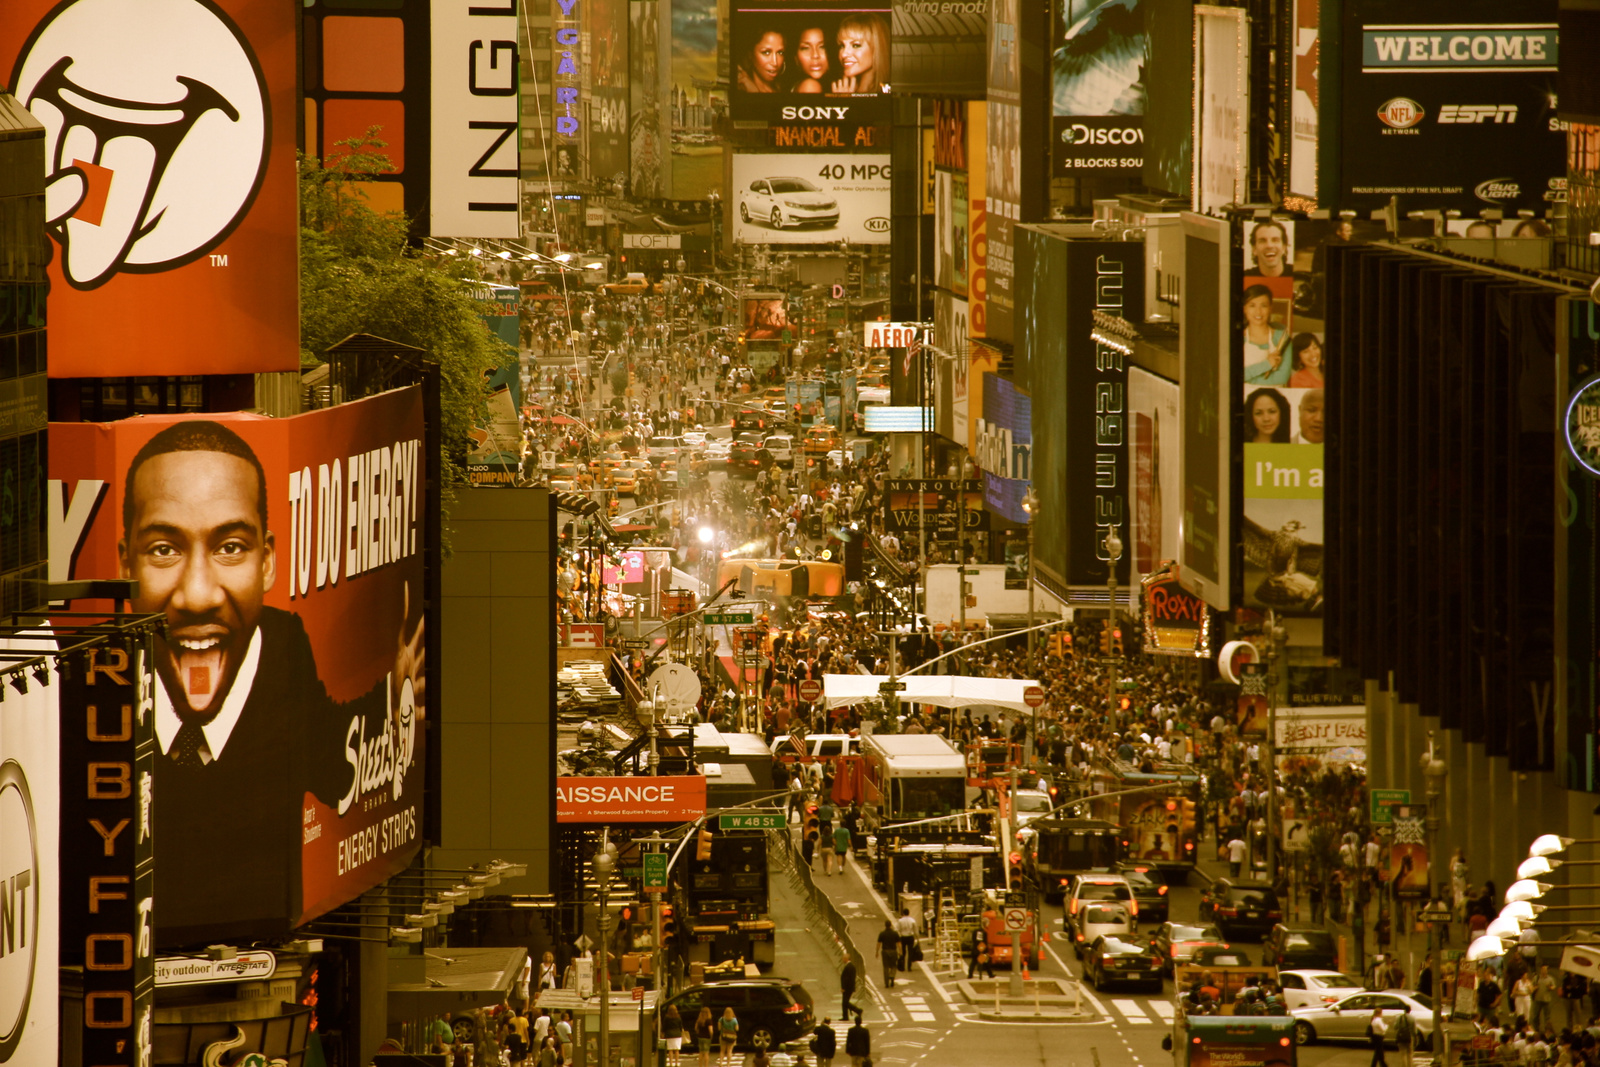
[
  {"x": 474, "y": 157},
  {"x": 107, "y": 854},
  {"x": 1304, "y": 96},
  {"x": 30, "y": 887},
  {"x": 1221, "y": 107}
]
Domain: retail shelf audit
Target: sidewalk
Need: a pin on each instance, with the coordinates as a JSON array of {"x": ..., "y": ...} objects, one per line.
[{"x": 804, "y": 953}]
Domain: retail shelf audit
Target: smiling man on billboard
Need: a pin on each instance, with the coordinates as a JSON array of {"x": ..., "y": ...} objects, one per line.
[{"x": 244, "y": 724}]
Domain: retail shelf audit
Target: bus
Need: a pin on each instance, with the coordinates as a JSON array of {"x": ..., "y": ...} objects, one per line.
[
  {"x": 1154, "y": 806},
  {"x": 1058, "y": 847},
  {"x": 913, "y": 776},
  {"x": 1235, "y": 1040}
]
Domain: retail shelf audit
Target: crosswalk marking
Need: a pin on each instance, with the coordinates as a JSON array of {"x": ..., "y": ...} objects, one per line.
[
  {"x": 918, "y": 1007},
  {"x": 1163, "y": 1008},
  {"x": 1130, "y": 1009}
]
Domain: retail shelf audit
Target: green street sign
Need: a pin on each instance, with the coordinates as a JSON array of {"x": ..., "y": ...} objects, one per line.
[
  {"x": 655, "y": 872},
  {"x": 755, "y": 820},
  {"x": 730, "y": 618},
  {"x": 1384, "y": 801}
]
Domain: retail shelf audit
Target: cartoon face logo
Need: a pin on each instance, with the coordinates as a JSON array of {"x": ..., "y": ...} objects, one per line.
[{"x": 156, "y": 120}]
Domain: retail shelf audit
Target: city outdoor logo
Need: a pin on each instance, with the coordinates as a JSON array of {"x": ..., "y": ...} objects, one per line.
[
  {"x": 19, "y": 906},
  {"x": 1497, "y": 190},
  {"x": 1401, "y": 114},
  {"x": 158, "y": 126},
  {"x": 1474, "y": 114},
  {"x": 1582, "y": 426}
]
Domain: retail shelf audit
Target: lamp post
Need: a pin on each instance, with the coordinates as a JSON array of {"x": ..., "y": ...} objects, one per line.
[
  {"x": 1113, "y": 554},
  {"x": 1030, "y": 504},
  {"x": 1434, "y": 773},
  {"x": 605, "y": 864},
  {"x": 1276, "y": 638}
]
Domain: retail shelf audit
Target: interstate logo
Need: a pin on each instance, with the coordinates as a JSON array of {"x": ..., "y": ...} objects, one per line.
[
  {"x": 1478, "y": 47},
  {"x": 1401, "y": 115}
]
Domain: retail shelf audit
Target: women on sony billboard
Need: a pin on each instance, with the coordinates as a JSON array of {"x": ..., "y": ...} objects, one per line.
[{"x": 822, "y": 51}]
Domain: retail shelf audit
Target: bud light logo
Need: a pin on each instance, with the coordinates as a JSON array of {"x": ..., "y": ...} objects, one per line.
[{"x": 1498, "y": 190}]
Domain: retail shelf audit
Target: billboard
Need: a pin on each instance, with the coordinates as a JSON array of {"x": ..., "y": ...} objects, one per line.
[
  {"x": 474, "y": 138},
  {"x": 286, "y": 555},
  {"x": 766, "y": 318},
  {"x": 1221, "y": 107},
  {"x": 1446, "y": 111},
  {"x": 698, "y": 103},
  {"x": 30, "y": 832},
  {"x": 1005, "y": 447},
  {"x": 829, "y": 58},
  {"x": 1205, "y": 345},
  {"x": 977, "y": 219},
  {"x": 608, "y": 93},
  {"x": 807, "y": 199},
  {"x": 649, "y": 130},
  {"x": 945, "y": 509},
  {"x": 1002, "y": 166},
  {"x": 1169, "y": 95},
  {"x": 172, "y": 199},
  {"x": 940, "y": 47},
  {"x": 1097, "y": 88},
  {"x": 679, "y": 798},
  {"x": 1304, "y": 95},
  {"x": 1153, "y": 472}
]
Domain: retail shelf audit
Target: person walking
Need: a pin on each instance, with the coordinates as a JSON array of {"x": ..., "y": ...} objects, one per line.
[
  {"x": 672, "y": 1031},
  {"x": 1377, "y": 1032},
  {"x": 1544, "y": 998},
  {"x": 1522, "y": 997},
  {"x": 841, "y": 844},
  {"x": 889, "y": 949},
  {"x": 847, "y": 986},
  {"x": 907, "y": 927},
  {"x": 858, "y": 1044},
  {"x": 728, "y": 1035},
  {"x": 824, "y": 1043},
  {"x": 1236, "y": 853},
  {"x": 1404, "y": 1031},
  {"x": 705, "y": 1032}
]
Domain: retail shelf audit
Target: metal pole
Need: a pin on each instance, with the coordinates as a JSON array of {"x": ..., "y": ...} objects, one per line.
[
  {"x": 1434, "y": 770},
  {"x": 1274, "y": 817},
  {"x": 604, "y": 865}
]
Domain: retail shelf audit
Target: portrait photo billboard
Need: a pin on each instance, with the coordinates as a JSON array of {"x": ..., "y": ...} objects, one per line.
[
  {"x": 832, "y": 59},
  {"x": 809, "y": 199},
  {"x": 286, "y": 555},
  {"x": 170, "y": 163}
]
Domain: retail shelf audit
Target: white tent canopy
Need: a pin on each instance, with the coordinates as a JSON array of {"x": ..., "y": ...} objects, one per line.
[{"x": 943, "y": 690}]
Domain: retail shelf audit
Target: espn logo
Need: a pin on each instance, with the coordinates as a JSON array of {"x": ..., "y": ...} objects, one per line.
[{"x": 1472, "y": 114}]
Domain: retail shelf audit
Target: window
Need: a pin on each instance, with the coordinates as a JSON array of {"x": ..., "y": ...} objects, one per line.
[
  {"x": 830, "y": 748},
  {"x": 1291, "y": 981}
]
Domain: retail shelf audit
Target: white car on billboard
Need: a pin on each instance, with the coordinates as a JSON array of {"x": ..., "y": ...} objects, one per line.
[{"x": 787, "y": 201}]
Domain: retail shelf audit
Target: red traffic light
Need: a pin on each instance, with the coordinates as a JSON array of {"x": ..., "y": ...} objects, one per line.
[
  {"x": 1015, "y": 858},
  {"x": 1172, "y": 805}
]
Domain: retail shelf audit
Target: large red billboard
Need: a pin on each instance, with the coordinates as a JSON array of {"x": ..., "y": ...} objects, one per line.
[
  {"x": 171, "y": 184},
  {"x": 626, "y": 800},
  {"x": 286, "y": 555}
]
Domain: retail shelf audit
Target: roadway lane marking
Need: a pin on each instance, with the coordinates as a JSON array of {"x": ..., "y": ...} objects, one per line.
[
  {"x": 944, "y": 994},
  {"x": 1083, "y": 987},
  {"x": 1130, "y": 1009}
]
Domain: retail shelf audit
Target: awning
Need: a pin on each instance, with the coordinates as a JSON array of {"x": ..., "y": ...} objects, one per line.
[
  {"x": 453, "y": 979},
  {"x": 941, "y": 690}
]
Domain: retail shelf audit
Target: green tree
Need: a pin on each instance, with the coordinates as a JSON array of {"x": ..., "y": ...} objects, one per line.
[{"x": 359, "y": 274}]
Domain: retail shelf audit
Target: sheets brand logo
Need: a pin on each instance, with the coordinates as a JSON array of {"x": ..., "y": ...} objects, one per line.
[
  {"x": 1401, "y": 115},
  {"x": 19, "y": 906},
  {"x": 157, "y": 121}
]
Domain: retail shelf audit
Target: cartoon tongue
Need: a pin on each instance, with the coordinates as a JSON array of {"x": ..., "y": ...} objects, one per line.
[{"x": 200, "y": 671}]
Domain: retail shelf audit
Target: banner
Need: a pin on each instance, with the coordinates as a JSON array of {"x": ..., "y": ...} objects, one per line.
[
  {"x": 1221, "y": 107},
  {"x": 286, "y": 555},
  {"x": 824, "y": 61},
  {"x": 1305, "y": 99},
  {"x": 698, "y": 100},
  {"x": 1154, "y": 476},
  {"x": 1319, "y": 729},
  {"x": 946, "y": 508},
  {"x": 940, "y": 47},
  {"x": 1449, "y": 113},
  {"x": 630, "y": 800},
  {"x": 31, "y": 889},
  {"x": 806, "y": 199},
  {"x": 473, "y": 148},
  {"x": 172, "y": 187}
]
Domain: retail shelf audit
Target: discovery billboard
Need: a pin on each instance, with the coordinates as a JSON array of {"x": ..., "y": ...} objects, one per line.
[
  {"x": 172, "y": 197},
  {"x": 808, "y": 199},
  {"x": 291, "y": 698},
  {"x": 1097, "y": 88}
]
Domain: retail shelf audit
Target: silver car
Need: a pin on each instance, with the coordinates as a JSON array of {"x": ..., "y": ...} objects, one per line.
[
  {"x": 787, "y": 201},
  {"x": 1316, "y": 989},
  {"x": 1347, "y": 1018}
]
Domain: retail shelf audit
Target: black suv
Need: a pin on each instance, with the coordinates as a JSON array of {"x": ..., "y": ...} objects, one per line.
[
  {"x": 772, "y": 1012},
  {"x": 1299, "y": 948},
  {"x": 1241, "y": 907},
  {"x": 1148, "y": 890}
]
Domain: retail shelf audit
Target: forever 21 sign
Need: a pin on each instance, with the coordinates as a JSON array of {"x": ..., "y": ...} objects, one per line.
[
  {"x": 474, "y": 168},
  {"x": 107, "y": 863}
]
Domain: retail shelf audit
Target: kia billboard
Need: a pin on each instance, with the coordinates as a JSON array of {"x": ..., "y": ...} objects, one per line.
[
  {"x": 171, "y": 196},
  {"x": 286, "y": 556},
  {"x": 810, "y": 199},
  {"x": 1097, "y": 88},
  {"x": 1450, "y": 105}
]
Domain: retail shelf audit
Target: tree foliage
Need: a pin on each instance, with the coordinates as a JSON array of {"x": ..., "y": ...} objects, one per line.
[{"x": 358, "y": 274}]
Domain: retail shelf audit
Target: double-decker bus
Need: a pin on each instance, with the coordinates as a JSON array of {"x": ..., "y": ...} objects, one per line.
[{"x": 1154, "y": 806}]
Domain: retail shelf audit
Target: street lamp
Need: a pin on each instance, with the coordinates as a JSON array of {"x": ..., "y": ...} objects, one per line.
[
  {"x": 1113, "y": 554},
  {"x": 605, "y": 864},
  {"x": 1030, "y": 504},
  {"x": 1434, "y": 773}
]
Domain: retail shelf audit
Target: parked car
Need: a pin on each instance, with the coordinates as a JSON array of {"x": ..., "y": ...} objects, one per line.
[
  {"x": 1096, "y": 920},
  {"x": 1150, "y": 893},
  {"x": 772, "y": 1011},
  {"x": 1314, "y": 989},
  {"x": 1347, "y": 1018},
  {"x": 1175, "y": 942},
  {"x": 1299, "y": 947},
  {"x": 1241, "y": 907},
  {"x": 787, "y": 201},
  {"x": 1122, "y": 958}
]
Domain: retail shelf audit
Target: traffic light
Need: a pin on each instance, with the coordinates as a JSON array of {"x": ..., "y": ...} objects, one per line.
[
  {"x": 812, "y": 831},
  {"x": 1014, "y": 871},
  {"x": 1124, "y": 703},
  {"x": 1186, "y": 823},
  {"x": 702, "y": 848},
  {"x": 1105, "y": 643},
  {"x": 669, "y": 928},
  {"x": 1116, "y": 641}
]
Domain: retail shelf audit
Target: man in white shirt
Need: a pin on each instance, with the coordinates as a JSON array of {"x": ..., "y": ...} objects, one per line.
[{"x": 1236, "y": 854}]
